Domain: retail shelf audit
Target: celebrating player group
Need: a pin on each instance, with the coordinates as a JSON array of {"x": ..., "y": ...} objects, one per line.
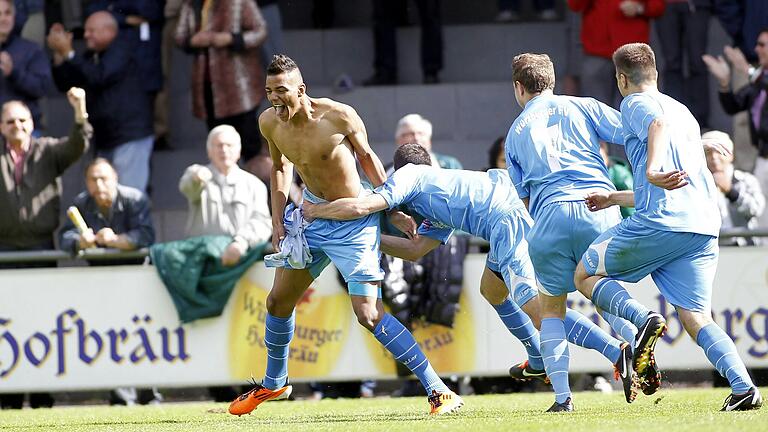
[{"x": 552, "y": 221}]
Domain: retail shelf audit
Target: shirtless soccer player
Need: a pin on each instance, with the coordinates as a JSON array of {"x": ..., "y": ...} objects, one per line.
[
  {"x": 485, "y": 205},
  {"x": 321, "y": 138}
]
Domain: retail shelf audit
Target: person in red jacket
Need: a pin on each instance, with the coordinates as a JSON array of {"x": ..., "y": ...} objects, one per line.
[{"x": 606, "y": 25}]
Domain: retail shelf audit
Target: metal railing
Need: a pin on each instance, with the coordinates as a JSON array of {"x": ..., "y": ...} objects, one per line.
[{"x": 101, "y": 254}]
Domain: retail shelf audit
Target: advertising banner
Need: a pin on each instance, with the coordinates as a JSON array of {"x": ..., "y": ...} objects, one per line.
[{"x": 106, "y": 327}]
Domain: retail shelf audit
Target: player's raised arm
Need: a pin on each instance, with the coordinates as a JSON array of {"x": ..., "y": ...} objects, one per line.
[
  {"x": 281, "y": 179},
  {"x": 344, "y": 208},
  {"x": 358, "y": 137}
]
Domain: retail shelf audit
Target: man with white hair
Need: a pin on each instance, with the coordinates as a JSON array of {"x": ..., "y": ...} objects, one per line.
[
  {"x": 741, "y": 200},
  {"x": 413, "y": 128},
  {"x": 224, "y": 199}
]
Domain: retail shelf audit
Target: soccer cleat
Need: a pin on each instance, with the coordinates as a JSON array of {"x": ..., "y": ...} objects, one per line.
[
  {"x": 743, "y": 402},
  {"x": 248, "y": 402},
  {"x": 651, "y": 382},
  {"x": 645, "y": 342},
  {"x": 524, "y": 372},
  {"x": 444, "y": 403},
  {"x": 622, "y": 370},
  {"x": 566, "y": 406}
]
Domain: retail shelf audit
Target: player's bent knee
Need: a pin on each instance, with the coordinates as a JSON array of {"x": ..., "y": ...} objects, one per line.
[
  {"x": 580, "y": 275},
  {"x": 368, "y": 316},
  {"x": 693, "y": 321}
]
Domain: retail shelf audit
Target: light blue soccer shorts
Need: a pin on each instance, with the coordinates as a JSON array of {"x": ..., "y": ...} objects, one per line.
[
  {"x": 352, "y": 246},
  {"x": 562, "y": 233},
  {"x": 509, "y": 255},
  {"x": 681, "y": 264}
]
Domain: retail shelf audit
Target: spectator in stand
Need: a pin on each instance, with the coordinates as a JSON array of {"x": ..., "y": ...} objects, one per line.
[
  {"x": 682, "y": 31},
  {"x": 620, "y": 174},
  {"x": 25, "y": 73},
  {"x": 117, "y": 216},
  {"x": 30, "y": 191},
  {"x": 224, "y": 199},
  {"x": 121, "y": 108},
  {"x": 741, "y": 198},
  {"x": 509, "y": 10},
  {"x": 751, "y": 98},
  {"x": 227, "y": 76},
  {"x": 606, "y": 25},
  {"x": 413, "y": 128},
  {"x": 140, "y": 21},
  {"x": 386, "y": 16}
]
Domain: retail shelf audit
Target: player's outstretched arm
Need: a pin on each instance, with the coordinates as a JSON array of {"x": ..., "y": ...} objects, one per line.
[
  {"x": 408, "y": 249},
  {"x": 358, "y": 137},
  {"x": 344, "y": 208},
  {"x": 657, "y": 136},
  {"x": 601, "y": 200}
]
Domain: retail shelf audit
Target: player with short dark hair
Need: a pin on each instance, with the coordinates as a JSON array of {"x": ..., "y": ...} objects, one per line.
[{"x": 673, "y": 234}]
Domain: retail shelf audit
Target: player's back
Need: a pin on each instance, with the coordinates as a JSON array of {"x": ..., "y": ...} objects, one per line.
[
  {"x": 470, "y": 201},
  {"x": 692, "y": 208},
  {"x": 553, "y": 149}
]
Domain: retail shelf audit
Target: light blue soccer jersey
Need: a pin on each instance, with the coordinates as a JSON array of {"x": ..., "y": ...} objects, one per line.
[
  {"x": 469, "y": 201},
  {"x": 553, "y": 149},
  {"x": 692, "y": 208}
]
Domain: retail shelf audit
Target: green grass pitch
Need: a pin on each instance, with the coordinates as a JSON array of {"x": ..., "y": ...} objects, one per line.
[{"x": 668, "y": 411}]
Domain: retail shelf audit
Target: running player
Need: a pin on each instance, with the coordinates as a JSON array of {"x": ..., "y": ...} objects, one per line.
[
  {"x": 321, "y": 138},
  {"x": 553, "y": 158},
  {"x": 673, "y": 234}
]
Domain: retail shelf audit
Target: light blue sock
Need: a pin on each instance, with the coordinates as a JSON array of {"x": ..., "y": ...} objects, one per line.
[
  {"x": 277, "y": 337},
  {"x": 400, "y": 342},
  {"x": 581, "y": 331},
  {"x": 721, "y": 352},
  {"x": 521, "y": 326},
  {"x": 609, "y": 295},
  {"x": 554, "y": 349},
  {"x": 622, "y": 327}
]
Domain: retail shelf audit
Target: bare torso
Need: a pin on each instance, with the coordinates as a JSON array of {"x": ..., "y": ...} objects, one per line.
[{"x": 319, "y": 149}]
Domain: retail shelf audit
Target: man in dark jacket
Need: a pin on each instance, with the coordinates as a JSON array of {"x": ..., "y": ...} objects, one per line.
[
  {"x": 122, "y": 111},
  {"x": 30, "y": 188},
  {"x": 30, "y": 191},
  {"x": 25, "y": 73},
  {"x": 117, "y": 216}
]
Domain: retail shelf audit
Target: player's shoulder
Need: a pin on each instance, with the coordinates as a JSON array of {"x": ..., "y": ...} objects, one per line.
[
  {"x": 333, "y": 107},
  {"x": 267, "y": 120}
]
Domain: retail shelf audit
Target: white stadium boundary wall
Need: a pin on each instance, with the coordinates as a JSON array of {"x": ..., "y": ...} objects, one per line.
[{"x": 106, "y": 327}]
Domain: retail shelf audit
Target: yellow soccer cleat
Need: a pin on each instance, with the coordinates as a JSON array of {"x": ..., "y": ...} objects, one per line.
[
  {"x": 248, "y": 402},
  {"x": 444, "y": 403}
]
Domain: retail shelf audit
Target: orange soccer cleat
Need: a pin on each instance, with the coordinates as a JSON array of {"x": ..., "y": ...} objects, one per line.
[
  {"x": 248, "y": 402},
  {"x": 444, "y": 403}
]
